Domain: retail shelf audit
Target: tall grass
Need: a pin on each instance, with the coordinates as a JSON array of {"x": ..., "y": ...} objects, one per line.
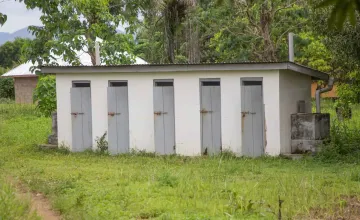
[
  {"x": 145, "y": 186},
  {"x": 11, "y": 110}
]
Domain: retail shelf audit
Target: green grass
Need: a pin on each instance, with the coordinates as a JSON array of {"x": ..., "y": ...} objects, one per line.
[
  {"x": 12, "y": 207},
  {"x": 93, "y": 186}
]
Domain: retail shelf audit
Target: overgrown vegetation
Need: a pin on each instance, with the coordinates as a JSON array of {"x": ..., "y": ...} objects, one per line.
[
  {"x": 102, "y": 144},
  {"x": 45, "y": 95},
  {"x": 142, "y": 186},
  {"x": 344, "y": 142}
]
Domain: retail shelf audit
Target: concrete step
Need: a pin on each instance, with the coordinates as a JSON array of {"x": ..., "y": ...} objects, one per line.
[
  {"x": 293, "y": 156},
  {"x": 48, "y": 146}
]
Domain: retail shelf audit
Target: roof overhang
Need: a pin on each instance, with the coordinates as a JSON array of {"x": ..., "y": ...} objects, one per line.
[
  {"x": 21, "y": 76},
  {"x": 150, "y": 68}
]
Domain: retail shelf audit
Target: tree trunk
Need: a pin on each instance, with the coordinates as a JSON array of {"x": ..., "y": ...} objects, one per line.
[
  {"x": 170, "y": 34},
  {"x": 193, "y": 47},
  {"x": 269, "y": 53}
]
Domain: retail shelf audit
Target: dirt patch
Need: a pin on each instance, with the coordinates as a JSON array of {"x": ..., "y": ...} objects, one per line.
[
  {"x": 347, "y": 207},
  {"x": 38, "y": 202}
]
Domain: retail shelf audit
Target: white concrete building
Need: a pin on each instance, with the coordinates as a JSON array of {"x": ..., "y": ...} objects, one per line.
[{"x": 187, "y": 109}]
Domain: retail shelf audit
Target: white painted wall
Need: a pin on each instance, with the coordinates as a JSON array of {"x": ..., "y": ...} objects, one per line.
[
  {"x": 187, "y": 108},
  {"x": 293, "y": 88}
]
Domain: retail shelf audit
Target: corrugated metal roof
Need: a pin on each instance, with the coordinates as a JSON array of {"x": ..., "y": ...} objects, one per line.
[
  {"x": 24, "y": 69},
  {"x": 186, "y": 67}
]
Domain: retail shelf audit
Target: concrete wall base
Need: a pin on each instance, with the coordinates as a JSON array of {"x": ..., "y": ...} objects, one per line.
[{"x": 53, "y": 138}]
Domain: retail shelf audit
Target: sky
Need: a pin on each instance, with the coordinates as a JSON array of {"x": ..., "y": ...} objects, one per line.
[{"x": 18, "y": 16}]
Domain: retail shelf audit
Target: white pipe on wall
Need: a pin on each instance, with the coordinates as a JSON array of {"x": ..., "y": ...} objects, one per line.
[{"x": 291, "y": 47}]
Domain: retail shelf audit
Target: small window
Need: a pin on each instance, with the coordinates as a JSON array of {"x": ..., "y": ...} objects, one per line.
[
  {"x": 163, "y": 83},
  {"x": 211, "y": 83},
  {"x": 252, "y": 83},
  {"x": 118, "y": 83},
  {"x": 80, "y": 84}
]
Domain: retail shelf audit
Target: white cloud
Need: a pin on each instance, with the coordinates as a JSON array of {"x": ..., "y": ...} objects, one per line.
[{"x": 18, "y": 16}]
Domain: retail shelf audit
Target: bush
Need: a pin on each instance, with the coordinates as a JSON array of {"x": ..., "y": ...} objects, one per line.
[
  {"x": 343, "y": 145},
  {"x": 7, "y": 90},
  {"x": 102, "y": 144},
  {"x": 45, "y": 95}
]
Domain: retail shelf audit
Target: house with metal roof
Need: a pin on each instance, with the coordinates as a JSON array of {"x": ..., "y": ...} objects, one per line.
[{"x": 185, "y": 109}]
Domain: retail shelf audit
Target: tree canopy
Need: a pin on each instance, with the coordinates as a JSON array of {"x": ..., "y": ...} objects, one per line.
[
  {"x": 73, "y": 25},
  {"x": 11, "y": 53}
]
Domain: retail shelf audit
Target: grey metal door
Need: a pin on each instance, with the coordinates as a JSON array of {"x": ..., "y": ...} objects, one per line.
[
  {"x": 164, "y": 118},
  {"x": 118, "y": 120},
  {"x": 211, "y": 117},
  {"x": 81, "y": 118},
  {"x": 252, "y": 119}
]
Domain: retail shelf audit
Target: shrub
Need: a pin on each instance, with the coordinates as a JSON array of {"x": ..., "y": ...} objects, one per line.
[
  {"x": 45, "y": 95},
  {"x": 7, "y": 90},
  {"x": 343, "y": 145},
  {"x": 102, "y": 144}
]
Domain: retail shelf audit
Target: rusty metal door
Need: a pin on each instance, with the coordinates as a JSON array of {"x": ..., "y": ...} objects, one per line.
[
  {"x": 210, "y": 117},
  {"x": 252, "y": 118},
  {"x": 81, "y": 118},
  {"x": 164, "y": 117},
  {"x": 118, "y": 118}
]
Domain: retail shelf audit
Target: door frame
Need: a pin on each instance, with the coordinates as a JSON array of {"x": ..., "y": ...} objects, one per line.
[
  {"x": 242, "y": 84},
  {"x": 74, "y": 85},
  {"x": 172, "y": 81},
  {"x": 110, "y": 85},
  {"x": 75, "y": 82},
  {"x": 201, "y": 80}
]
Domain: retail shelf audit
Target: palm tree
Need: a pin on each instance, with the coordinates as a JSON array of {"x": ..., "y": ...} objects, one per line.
[{"x": 173, "y": 13}]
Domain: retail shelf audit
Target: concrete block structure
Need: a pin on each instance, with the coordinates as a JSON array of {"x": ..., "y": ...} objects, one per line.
[
  {"x": 308, "y": 130},
  {"x": 186, "y": 109}
]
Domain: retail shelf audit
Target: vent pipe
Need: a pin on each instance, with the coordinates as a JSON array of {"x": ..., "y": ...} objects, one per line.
[
  {"x": 97, "y": 53},
  {"x": 319, "y": 91},
  {"x": 291, "y": 47}
]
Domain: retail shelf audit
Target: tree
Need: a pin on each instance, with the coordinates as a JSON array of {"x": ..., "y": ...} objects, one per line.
[
  {"x": 11, "y": 53},
  {"x": 344, "y": 46},
  {"x": 74, "y": 25},
  {"x": 7, "y": 90},
  {"x": 257, "y": 30},
  {"x": 3, "y": 17},
  {"x": 341, "y": 10},
  {"x": 169, "y": 27}
]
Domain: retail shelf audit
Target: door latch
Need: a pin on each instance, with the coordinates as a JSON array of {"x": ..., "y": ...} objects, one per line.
[
  {"x": 157, "y": 113},
  {"x": 204, "y": 111},
  {"x": 160, "y": 113},
  {"x": 76, "y": 113},
  {"x": 245, "y": 113},
  {"x": 113, "y": 114}
]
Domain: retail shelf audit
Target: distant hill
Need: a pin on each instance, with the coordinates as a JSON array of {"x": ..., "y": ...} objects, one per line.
[{"x": 23, "y": 33}]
